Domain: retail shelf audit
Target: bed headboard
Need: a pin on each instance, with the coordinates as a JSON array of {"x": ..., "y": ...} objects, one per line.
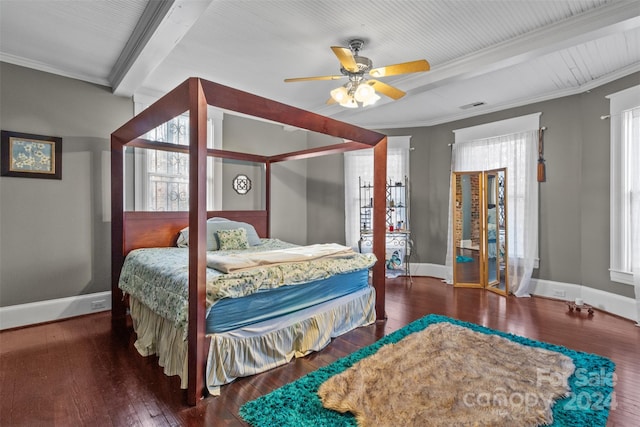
[{"x": 160, "y": 229}]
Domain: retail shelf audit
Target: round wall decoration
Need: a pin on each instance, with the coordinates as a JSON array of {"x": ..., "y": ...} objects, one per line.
[{"x": 242, "y": 184}]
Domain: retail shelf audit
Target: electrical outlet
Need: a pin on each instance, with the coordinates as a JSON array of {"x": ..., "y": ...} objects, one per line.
[
  {"x": 559, "y": 293},
  {"x": 98, "y": 304}
]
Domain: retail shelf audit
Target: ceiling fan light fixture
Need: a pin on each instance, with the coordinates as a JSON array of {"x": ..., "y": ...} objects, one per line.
[
  {"x": 372, "y": 100},
  {"x": 350, "y": 102},
  {"x": 355, "y": 94},
  {"x": 340, "y": 94},
  {"x": 364, "y": 92}
]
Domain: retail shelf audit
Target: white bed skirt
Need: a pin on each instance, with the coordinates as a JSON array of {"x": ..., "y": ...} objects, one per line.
[{"x": 256, "y": 348}]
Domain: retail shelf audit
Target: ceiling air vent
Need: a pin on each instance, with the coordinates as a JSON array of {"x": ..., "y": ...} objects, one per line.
[{"x": 473, "y": 105}]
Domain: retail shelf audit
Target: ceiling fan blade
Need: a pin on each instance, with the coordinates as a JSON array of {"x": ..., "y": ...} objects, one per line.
[
  {"x": 386, "y": 89},
  {"x": 346, "y": 58},
  {"x": 305, "y": 79},
  {"x": 403, "y": 68}
]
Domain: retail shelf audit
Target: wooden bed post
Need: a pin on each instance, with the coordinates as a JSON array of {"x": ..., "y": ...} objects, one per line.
[
  {"x": 379, "y": 224},
  {"x": 267, "y": 202},
  {"x": 118, "y": 308},
  {"x": 197, "y": 239}
]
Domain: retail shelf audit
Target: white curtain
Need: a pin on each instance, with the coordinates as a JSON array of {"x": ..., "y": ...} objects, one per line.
[
  {"x": 359, "y": 164},
  {"x": 632, "y": 130},
  {"x": 517, "y": 153}
]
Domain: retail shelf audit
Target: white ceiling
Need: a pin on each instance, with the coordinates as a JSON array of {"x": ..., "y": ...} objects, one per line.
[{"x": 504, "y": 53}]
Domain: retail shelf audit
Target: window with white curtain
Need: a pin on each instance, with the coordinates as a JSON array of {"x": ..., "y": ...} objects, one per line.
[
  {"x": 510, "y": 144},
  {"x": 162, "y": 177},
  {"x": 358, "y": 165},
  {"x": 625, "y": 184}
]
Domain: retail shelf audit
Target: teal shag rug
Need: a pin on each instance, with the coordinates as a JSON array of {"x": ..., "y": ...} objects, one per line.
[{"x": 297, "y": 403}]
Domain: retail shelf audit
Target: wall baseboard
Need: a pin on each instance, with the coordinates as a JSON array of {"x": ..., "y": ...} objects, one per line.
[
  {"x": 14, "y": 316},
  {"x": 601, "y": 300},
  {"x": 431, "y": 270}
]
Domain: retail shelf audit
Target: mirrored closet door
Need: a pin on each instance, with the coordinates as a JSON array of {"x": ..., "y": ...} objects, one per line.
[{"x": 480, "y": 230}]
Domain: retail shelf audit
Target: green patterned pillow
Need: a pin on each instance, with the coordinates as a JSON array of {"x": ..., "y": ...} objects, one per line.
[{"x": 233, "y": 239}]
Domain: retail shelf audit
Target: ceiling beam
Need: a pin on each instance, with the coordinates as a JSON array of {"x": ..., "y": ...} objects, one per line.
[{"x": 160, "y": 28}]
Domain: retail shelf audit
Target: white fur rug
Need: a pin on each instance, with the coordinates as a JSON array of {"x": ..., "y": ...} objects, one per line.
[{"x": 448, "y": 375}]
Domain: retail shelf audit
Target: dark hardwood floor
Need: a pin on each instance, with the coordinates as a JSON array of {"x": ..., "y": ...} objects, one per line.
[{"x": 76, "y": 372}]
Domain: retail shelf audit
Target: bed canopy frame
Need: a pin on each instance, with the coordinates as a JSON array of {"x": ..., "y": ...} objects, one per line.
[{"x": 131, "y": 230}]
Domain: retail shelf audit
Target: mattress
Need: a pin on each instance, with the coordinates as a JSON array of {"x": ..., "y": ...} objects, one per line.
[{"x": 232, "y": 313}]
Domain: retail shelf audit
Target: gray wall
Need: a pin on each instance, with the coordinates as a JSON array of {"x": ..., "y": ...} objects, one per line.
[
  {"x": 288, "y": 179},
  {"x": 53, "y": 240},
  {"x": 574, "y": 201},
  {"x": 325, "y": 194}
]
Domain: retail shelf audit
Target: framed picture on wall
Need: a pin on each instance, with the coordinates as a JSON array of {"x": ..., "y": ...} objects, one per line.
[{"x": 30, "y": 156}]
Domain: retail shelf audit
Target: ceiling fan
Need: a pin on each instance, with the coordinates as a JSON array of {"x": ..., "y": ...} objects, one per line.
[{"x": 361, "y": 90}]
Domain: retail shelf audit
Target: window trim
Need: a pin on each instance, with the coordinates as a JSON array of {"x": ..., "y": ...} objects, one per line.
[{"x": 619, "y": 102}]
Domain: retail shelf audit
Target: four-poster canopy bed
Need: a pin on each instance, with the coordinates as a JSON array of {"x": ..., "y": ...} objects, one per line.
[{"x": 135, "y": 230}]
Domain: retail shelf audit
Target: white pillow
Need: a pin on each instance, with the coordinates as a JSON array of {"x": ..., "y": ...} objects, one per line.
[{"x": 215, "y": 224}]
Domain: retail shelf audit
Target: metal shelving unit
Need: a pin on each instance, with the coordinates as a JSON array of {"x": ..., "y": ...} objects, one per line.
[{"x": 397, "y": 218}]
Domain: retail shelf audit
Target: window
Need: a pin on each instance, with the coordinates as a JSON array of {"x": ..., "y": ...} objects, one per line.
[
  {"x": 162, "y": 177},
  {"x": 359, "y": 164},
  {"x": 625, "y": 164}
]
